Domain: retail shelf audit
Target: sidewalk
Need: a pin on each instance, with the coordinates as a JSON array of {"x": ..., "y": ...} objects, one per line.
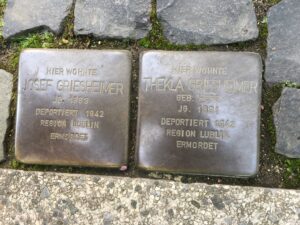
[{"x": 50, "y": 198}]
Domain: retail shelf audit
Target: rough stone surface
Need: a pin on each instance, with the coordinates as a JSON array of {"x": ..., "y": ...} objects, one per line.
[
  {"x": 287, "y": 122},
  {"x": 22, "y": 16},
  {"x": 283, "y": 61},
  {"x": 207, "y": 21},
  {"x": 113, "y": 19},
  {"x": 47, "y": 198},
  {"x": 5, "y": 96}
]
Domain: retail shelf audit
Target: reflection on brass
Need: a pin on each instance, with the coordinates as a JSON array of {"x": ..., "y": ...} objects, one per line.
[
  {"x": 73, "y": 107},
  {"x": 199, "y": 112}
]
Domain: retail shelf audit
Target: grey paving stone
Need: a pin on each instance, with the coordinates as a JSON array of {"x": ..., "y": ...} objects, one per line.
[
  {"x": 5, "y": 96},
  {"x": 22, "y": 16},
  {"x": 287, "y": 121},
  {"x": 207, "y": 21},
  {"x": 283, "y": 61},
  {"x": 113, "y": 19},
  {"x": 84, "y": 199}
]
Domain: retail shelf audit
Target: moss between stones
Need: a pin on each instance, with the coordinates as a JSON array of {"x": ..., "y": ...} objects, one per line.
[
  {"x": 275, "y": 170},
  {"x": 2, "y": 6},
  {"x": 292, "y": 172},
  {"x": 274, "y": 2},
  {"x": 156, "y": 39}
]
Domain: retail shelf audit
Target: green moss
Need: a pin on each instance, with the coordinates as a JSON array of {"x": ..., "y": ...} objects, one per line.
[
  {"x": 292, "y": 174},
  {"x": 2, "y": 6},
  {"x": 292, "y": 166},
  {"x": 15, "y": 164},
  {"x": 290, "y": 84},
  {"x": 263, "y": 27},
  {"x": 156, "y": 39},
  {"x": 3, "y": 3},
  {"x": 43, "y": 40},
  {"x": 273, "y": 2},
  {"x": 271, "y": 96}
]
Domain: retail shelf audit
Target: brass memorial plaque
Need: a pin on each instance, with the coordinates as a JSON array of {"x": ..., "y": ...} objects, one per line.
[
  {"x": 73, "y": 107},
  {"x": 199, "y": 112}
]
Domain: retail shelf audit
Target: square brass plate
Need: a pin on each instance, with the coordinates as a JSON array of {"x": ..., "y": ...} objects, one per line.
[
  {"x": 199, "y": 112},
  {"x": 73, "y": 107}
]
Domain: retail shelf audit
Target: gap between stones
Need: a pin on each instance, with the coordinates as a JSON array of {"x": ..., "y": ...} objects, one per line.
[{"x": 136, "y": 49}]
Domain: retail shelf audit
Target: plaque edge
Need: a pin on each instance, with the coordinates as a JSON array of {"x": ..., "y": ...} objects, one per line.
[
  {"x": 17, "y": 151},
  {"x": 259, "y": 65}
]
